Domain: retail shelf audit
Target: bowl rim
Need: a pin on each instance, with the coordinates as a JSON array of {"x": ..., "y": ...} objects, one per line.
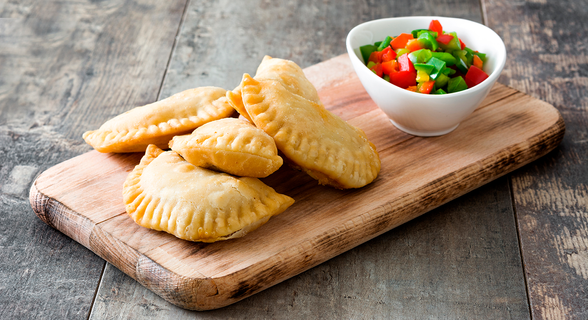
[{"x": 501, "y": 59}]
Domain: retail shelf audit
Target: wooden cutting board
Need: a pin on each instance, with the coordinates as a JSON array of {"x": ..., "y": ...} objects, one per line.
[{"x": 82, "y": 197}]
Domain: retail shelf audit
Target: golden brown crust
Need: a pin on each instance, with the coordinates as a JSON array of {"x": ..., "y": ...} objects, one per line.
[
  {"x": 166, "y": 193},
  {"x": 158, "y": 122},
  {"x": 326, "y": 147},
  {"x": 230, "y": 145},
  {"x": 234, "y": 99},
  {"x": 285, "y": 71},
  {"x": 289, "y": 74}
]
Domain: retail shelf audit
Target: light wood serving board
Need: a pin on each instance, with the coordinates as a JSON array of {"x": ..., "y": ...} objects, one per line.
[{"x": 82, "y": 197}]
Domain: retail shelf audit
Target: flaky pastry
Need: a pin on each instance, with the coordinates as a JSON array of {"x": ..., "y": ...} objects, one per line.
[
  {"x": 285, "y": 71},
  {"x": 230, "y": 145},
  {"x": 157, "y": 123},
  {"x": 166, "y": 193},
  {"x": 320, "y": 143}
]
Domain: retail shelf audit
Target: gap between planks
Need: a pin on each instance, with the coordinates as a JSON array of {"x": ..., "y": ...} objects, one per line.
[
  {"x": 173, "y": 49},
  {"x": 520, "y": 244},
  {"x": 171, "y": 53}
]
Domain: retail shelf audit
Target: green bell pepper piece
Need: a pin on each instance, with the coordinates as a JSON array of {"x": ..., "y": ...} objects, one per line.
[
  {"x": 462, "y": 66},
  {"x": 469, "y": 56},
  {"x": 370, "y": 64},
  {"x": 441, "y": 80},
  {"x": 461, "y": 63},
  {"x": 402, "y": 51},
  {"x": 384, "y": 43},
  {"x": 438, "y": 65},
  {"x": 366, "y": 51},
  {"x": 456, "y": 84},
  {"x": 420, "y": 56},
  {"x": 387, "y": 77},
  {"x": 448, "y": 71},
  {"x": 424, "y": 67},
  {"x": 433, "y": 33},
  {"x": 452, "y": 45},
  {"x": 440, "y": 91},
  {"x": 415, "y": 33},
  {"x": 427, "y": 40},
  {"x": 447, "y": 57}
]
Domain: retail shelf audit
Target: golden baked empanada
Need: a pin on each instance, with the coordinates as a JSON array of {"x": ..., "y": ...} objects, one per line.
[
  {"x": 230, "y": 145},
  {"x": 285, "y": 71},
  {"x": 289, "y": 74},
  {"x": 158, "y": 122},
  {"x": 326, "y": 147},
  {"x": 166, "y": 193}
]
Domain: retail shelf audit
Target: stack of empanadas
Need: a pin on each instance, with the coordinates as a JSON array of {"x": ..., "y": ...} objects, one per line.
[{"x": 206, "y": 188}]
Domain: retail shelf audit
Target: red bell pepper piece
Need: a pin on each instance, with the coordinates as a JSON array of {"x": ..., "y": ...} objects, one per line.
[
  {"x": 475, "y": 76},
  {"x": 376, "y": 57},
  {"x": 400, "y": 41},
  {"x": 378, "y": 70},
  {"x": 435, "y": 25},
  {"x": 388, "y": 54},
  {"x": 390, "y": 67},
  {"x": 404, "y": 64},
  {"x": 445, "y": 39},
  {"x": 461, "y": 44},
  {"x": 403, "y": 79},
  {"x": 427, "y": 86}
]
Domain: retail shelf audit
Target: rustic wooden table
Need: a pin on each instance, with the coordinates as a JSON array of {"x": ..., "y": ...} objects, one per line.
[{"x": 516, "y": 248}]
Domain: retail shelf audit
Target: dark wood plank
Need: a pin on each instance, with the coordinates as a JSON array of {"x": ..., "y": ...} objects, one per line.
[
  {"x": 219, "y": 42},
  {"x": 65, "y": 67},
  {"x": 547, "y": 59}
]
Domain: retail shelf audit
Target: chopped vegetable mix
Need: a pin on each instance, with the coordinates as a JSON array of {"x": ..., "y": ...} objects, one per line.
[{"x": 429, "y": 61}]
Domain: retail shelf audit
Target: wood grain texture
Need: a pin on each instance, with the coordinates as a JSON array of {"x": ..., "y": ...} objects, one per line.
[
  {"x": 547, "y": 59},
  {"x": 310, "y": 32},
  {"x": 61, "y": 61},
  {"x": 466, "y": 247},
  {"x": 418, "y": 174}
]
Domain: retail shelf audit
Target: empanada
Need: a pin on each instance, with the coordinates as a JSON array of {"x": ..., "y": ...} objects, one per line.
[
  {"x": 166, "y": 193},
  {"x": 158, "y": 122},
  {"x": 289, "y": 74},
  {"x": 230, "y": 145},
  {"x": 326, "y": 147},
  {"x": 285, "y": 71}
]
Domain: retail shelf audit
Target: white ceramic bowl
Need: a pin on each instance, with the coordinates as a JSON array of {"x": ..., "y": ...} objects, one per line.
[{"x": 422, "y": 114}]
